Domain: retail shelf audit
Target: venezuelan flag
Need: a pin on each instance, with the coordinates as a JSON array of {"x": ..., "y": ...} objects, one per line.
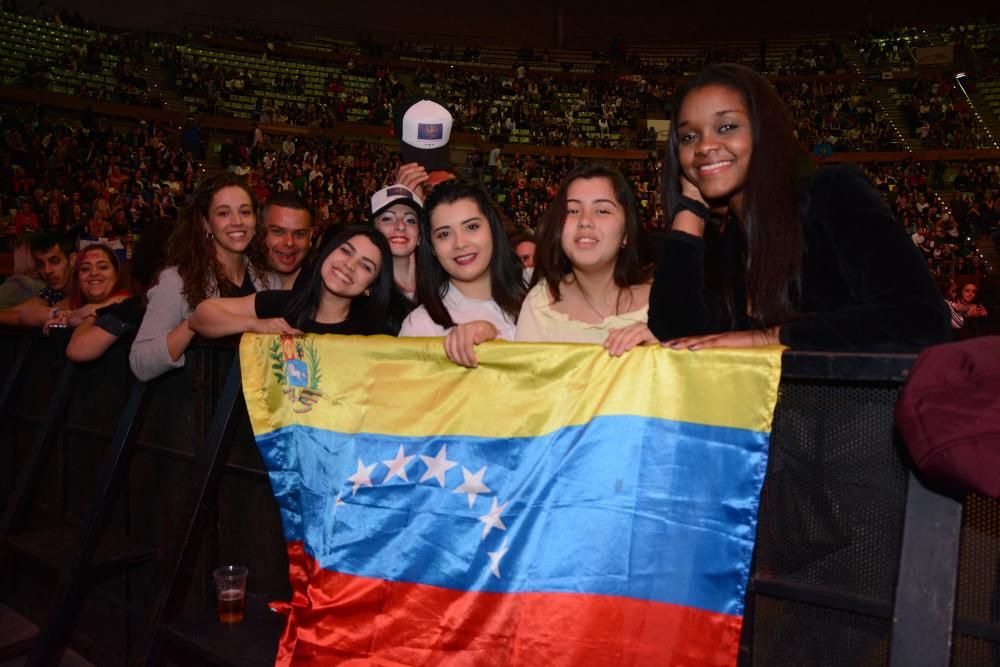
[{"x": 554, "y": 506}]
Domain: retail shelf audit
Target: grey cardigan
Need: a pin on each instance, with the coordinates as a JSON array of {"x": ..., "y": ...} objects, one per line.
[{"x": 166, "y": 309}]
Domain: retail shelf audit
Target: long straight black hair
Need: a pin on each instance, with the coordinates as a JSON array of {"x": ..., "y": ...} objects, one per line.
[
  {"x": 770, "y": 223},
  {"x": 371, "y": 311},
  {"x": 506, "y": 274}
]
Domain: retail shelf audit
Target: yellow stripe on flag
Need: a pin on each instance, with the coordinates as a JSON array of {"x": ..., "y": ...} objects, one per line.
[{"x": 519, "y": 389}]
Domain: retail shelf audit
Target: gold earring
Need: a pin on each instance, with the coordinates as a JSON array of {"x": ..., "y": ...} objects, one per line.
[{"x": 368, "y": 292}]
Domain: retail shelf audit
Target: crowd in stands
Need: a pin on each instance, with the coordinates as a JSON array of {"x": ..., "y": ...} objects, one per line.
[
  {"x": 891, "y": 49},
  {"x": 217, "y": 84},
  {"x": 939, "y": 115},
  {"x": 550, "y": 111},
  {"x": 840, "y": 114},
  {"x": 97, "y": 66},
  {"x": 91, "y": 179},
  {"x": 519, "y": 105},
  {"x": 945, "y": 231},
  {"x": 809, "y": 58}
]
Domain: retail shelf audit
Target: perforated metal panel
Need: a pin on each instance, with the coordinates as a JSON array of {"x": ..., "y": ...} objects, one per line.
[
  {"x": 830, "y": 526},
  {"x": 791, "y": 633},
  {"x": 978, "y": 599}
]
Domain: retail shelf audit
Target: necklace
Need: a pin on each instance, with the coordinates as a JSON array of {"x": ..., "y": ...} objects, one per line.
[{"x": 589, "y": 304}]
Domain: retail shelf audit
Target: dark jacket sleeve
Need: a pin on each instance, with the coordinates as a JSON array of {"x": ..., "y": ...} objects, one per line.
[
  {"x": 865, "y": 286},
  {"x": 677, "y": 300}
]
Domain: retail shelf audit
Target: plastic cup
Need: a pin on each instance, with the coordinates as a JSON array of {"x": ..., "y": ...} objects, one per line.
[{"x": 231, "y": 592}]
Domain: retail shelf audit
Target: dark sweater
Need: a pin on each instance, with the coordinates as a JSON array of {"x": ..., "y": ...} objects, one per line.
[{"x": 864, "y": 285}]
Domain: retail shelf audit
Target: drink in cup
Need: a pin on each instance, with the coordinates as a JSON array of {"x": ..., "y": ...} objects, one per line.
[{"x": 231, "y": 590}]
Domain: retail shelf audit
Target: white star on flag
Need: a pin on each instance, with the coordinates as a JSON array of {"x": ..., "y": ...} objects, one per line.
[
  {"x": 362, "y": 477},
  {"x": 397, "y": 466},
  {"x": 493, "y": 520},
  {"x": 473, "y": 484},
  {"x": 495, "y": 557},
  {"x": 437, "y": 466}
]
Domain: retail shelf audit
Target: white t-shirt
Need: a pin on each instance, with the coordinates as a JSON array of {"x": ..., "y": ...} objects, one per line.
[{"x": 462, "y": 309}]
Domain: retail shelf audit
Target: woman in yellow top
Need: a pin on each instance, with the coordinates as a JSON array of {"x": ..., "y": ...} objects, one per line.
[{"x": 591, "y": 282}]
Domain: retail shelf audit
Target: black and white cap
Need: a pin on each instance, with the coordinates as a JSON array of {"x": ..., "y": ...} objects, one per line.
[
  {"x": 392, "y": 195},
  {"x": 424, "y": 129}
]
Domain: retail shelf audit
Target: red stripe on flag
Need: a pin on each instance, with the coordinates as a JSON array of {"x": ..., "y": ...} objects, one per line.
[{"x": 344, "y": 619}]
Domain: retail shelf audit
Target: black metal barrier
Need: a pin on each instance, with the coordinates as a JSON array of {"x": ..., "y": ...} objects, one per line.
[{"x": 857, "y": 563}]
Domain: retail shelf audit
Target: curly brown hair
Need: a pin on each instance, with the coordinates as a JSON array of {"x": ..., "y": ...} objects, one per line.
[{"x": 192, "y": 251}]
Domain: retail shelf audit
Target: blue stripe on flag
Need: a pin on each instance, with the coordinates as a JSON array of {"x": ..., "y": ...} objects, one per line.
[{"x": 624, "y": 505}]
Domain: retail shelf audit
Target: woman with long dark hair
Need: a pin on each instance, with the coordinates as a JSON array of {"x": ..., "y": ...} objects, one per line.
[
  {"x": 470, "y": 284},
  {"x": 349, "y": 293},
  {"x": 764, "y": 250},
  {"x": 591, "y": 281},
  {"x": 216, "y": 249},
  {"x": 395, "y": 211}
]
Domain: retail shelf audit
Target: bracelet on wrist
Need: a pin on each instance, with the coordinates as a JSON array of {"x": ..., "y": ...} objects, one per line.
[{"x": 685, "y": 203}]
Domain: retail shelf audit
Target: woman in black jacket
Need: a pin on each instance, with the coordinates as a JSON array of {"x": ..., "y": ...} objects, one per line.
[{"x": 764, "y": 250}]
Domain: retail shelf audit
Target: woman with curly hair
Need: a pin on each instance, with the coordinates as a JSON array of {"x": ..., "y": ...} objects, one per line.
[{"x": 214, "y": 251}]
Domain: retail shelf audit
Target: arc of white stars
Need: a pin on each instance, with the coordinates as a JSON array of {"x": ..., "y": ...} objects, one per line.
[
  {"x": 495, "y": 557},
  {"x": 397, "y": 466},
  {"x": 473, "y": 484},
  {"x": 437, "y": 466},
  {"x": 492, "y": 519},
  {"x": 361, "y": 477}
]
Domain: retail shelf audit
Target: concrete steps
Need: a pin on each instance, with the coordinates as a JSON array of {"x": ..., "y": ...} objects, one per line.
[
  {"x": 986, "y": 116},
  {"x": 884, "y": 94}
]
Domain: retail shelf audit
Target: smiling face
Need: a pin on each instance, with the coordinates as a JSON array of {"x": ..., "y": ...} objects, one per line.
[
  {"x": 97, "y": 276},
  {"x": 463, "y": 244},
  {"x": 715, "y": 143},
  {"x": 351, "y": 267},
  {"x": 399, "y": 224},
  {"x": 969, "y": 293},
  {"x": 594, "y": 228},
  {"x": 231, "y": 221},
  {"x": 288, "y": 236}
]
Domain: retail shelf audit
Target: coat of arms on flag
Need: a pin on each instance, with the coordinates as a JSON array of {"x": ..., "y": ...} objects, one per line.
[{"x": 554, "y": 506}]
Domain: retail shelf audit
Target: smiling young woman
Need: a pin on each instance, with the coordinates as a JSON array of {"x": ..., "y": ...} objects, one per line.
[
  {"x": 97, "y": 282},
  {"x": 766, "y": 250},
  {"x": 349, "y": 292},
  {"x": 396, "y": 213},
  {"x": 469, "y": 281},
  {"x": 215, "y": 250},
  {"x": 591, "y": 282}
]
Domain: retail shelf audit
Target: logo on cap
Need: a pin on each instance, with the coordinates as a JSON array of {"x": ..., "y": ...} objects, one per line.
[{"x": 430, "y": 131}]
